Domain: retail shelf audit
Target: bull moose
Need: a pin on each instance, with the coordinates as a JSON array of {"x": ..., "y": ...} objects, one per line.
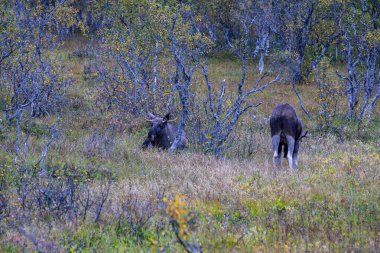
[
  {"x": 287, "y": 130},
  {"x": 162, "y": 133}
]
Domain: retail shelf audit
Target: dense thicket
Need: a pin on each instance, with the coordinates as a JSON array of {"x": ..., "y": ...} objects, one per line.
[{"x": 154, "y": 48}]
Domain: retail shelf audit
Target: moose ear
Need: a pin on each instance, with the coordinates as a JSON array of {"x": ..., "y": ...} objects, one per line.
[{"x": 167, "y": 116}]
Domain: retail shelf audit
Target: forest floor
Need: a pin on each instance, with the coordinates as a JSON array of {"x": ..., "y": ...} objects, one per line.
[{"x": 236, "y": 204}]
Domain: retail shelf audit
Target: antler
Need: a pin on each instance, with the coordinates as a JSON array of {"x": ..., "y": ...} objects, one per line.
[
  {"x": 151, "y": 115},
  {"x": 171, "y": 120}
]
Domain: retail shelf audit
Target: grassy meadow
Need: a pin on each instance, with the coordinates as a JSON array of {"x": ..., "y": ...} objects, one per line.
[{"x": 235, "y": 204}]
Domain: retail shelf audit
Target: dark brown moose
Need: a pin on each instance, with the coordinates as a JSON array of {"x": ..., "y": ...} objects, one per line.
[
  {"x": 287, "y": 132},
  {"x": 162, "y": 133}
]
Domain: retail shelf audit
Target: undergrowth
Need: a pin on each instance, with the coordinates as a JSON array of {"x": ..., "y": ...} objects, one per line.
[{"x": 158, "y": 202}]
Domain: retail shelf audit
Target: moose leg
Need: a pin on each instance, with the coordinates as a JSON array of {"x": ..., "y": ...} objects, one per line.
[
  {"x": 285, "y": 152},
  {"x": 289, "y": 156},
  {"x": 280, "y": 154},
  {"x": 295, "y": 154},
  {"x": 295, "y": 161},
  {"x": 276, "y": 146}
]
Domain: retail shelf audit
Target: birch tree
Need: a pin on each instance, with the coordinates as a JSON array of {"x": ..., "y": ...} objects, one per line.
[
  {"x": 32, "y": 84},
  {"x": 361, "y": 39}
]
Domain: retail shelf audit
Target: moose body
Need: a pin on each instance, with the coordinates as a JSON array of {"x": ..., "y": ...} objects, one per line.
[
  {"x": 162, "y": 133},
  {"x": 287, "y": 132}
]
